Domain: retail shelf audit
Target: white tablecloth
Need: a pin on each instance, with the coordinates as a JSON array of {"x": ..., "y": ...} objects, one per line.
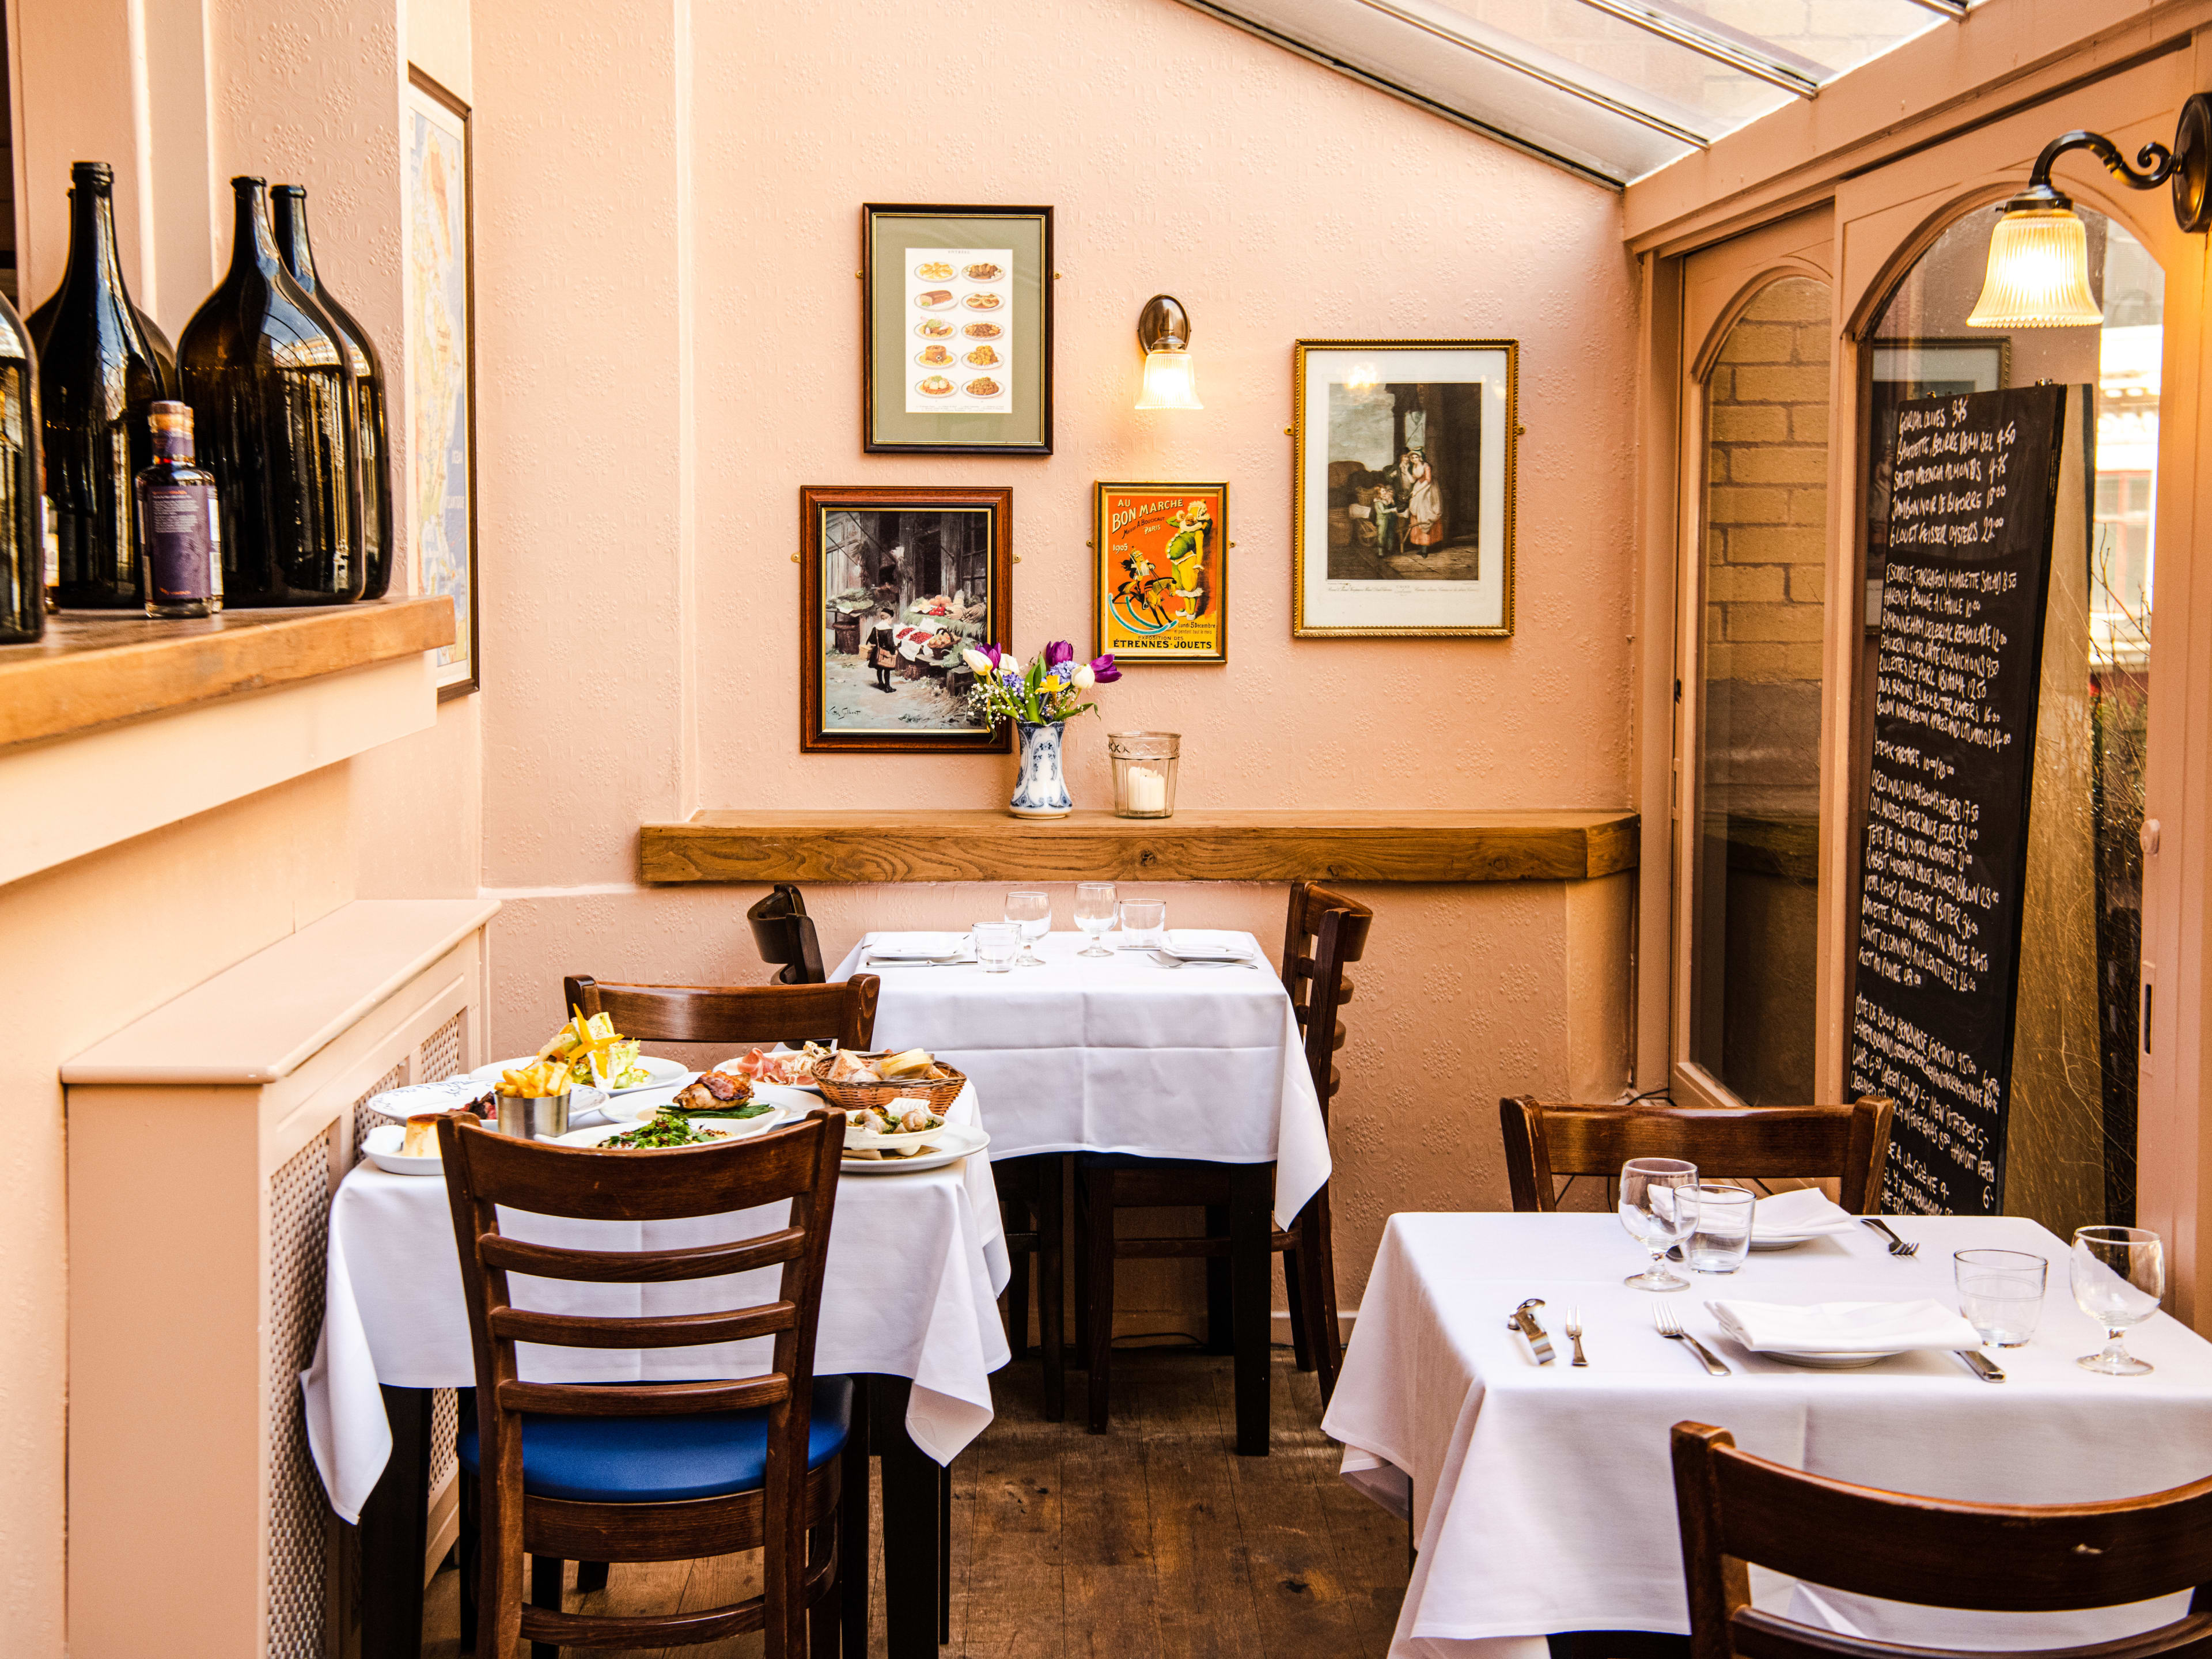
[
  {"x": 917, "y": 1263},
  {"x": 1121, "y": 1056},
  {"x": 1543, "y": 1497}
]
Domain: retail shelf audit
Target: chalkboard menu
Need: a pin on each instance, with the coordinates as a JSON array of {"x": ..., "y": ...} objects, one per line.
[{"x": 1973, "y": 495}]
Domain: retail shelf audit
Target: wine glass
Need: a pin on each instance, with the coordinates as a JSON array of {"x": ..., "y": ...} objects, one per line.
[
  {"x": 1033, "y": 910},
  {"x": 2119, "y": 1274},
  {"x": 1659, "y": 1207},
  {"x": 1094, "y": 915}
]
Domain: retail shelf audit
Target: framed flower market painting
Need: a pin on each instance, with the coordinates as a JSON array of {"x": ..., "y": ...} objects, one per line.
[
  {"x": 1159, "y": 562},
  {"x": 1402, "y": 493},
  {"x": 896, "y": 586}
]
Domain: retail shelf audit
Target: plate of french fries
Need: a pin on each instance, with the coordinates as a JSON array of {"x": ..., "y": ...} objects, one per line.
[{"x": 595, "y": 1055}]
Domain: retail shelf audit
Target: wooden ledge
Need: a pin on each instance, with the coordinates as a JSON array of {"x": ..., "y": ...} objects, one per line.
[
  {"x": 94, "y": 670},
  {"x": 1192, "y": 846}
]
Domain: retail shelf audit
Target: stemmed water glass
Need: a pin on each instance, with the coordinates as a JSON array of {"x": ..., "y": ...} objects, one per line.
[
  {"x": 2119, "y": 1274},
  {"x": 1659, "y": 1207},
  {"x": 1094, "y": 915},
  {"x": 1033, "y": 911}
]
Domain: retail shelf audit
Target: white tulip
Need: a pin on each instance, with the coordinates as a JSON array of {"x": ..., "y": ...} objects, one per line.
[
  {"x": 975, "y": 659},
  {"x": 1085, "y": 680},
  {"x": 1010, "y": 663}
]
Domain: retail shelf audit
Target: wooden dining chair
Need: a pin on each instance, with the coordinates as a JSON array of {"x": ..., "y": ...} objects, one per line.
[
  {"x": 658, "y": 1471},
  {"x": 733, "y": 1013},
  {"x": 1323, "y": 931},
  {"x": 1848, "y": 1143},
  {"x": 1737, "y": 1511},
  {"x": 784, "y": 935}
]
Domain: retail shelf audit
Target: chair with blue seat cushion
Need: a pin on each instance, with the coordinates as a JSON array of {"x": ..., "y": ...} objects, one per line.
[{"x": 658, "y": 1471}]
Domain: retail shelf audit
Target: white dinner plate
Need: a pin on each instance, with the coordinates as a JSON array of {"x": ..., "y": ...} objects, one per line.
[
  {"x": 1187, "y": 951},
  {"x": 949, "y": 1146},
  {"x": 920, "y": 947},
  {"x": 737, "y": 1129},
  {"x": 663, "y": 1072},
  {"x": 732, "y": 1064},
  {"x": 793, "y": 1103},
  {"x": 1826, "y": 1361},
  {"x": 382, "y": 1144},
  {"x": 1783, "y": 1241}
]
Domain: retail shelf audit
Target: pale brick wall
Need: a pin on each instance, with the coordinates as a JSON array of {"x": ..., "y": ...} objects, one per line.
[{"x": 1766, "y": 499}]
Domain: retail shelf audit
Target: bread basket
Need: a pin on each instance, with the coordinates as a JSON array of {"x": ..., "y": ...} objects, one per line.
[{"x": 939, "y": 1093}]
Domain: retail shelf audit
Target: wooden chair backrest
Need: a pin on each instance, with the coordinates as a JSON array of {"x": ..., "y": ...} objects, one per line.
[
  {"x": 1849, "y": 1143},
  {"x": 733, "y": 1013},
  {"x": 784, "y": 935},
  {"x": 1324, "y": 931},
  {"x": 1736, "y": 1510}
]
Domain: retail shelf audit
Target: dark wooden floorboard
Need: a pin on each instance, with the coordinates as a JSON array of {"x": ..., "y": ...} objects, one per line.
[{"x": 1155, "y": 1541}]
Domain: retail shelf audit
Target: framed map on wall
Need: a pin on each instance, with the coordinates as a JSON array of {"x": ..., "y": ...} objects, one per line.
[{"x": 441, "y": 366}]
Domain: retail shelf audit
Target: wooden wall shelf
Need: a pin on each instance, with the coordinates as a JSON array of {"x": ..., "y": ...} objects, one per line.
[
  {"x": 1193, "y": 845},
  {"x": 94, "y": 670}
]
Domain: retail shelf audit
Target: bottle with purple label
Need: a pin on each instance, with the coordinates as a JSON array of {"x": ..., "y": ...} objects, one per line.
[{"x": 179, "y": 526}]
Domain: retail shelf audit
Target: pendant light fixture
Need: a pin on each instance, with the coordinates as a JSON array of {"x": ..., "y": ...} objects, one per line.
[
  {"x": 1164, "y": 330},
  {"x": 2039, "y": 270}
]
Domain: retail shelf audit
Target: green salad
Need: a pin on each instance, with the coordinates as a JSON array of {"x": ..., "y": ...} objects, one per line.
[{"x": 671, "y": 1127}]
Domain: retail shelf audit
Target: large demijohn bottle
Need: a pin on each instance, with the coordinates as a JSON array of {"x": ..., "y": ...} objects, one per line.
[
  {"x": 99, "y": 376},
  {"x": 271, "y": 387},
  {"x": 288, "y": 208},
  {"x": 23, "y": 548}
]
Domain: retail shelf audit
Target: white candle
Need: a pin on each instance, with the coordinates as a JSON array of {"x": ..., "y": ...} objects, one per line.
[{"x": 1148, "y": 790}]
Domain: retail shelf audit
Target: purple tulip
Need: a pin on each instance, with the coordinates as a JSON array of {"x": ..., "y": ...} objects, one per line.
[
  {"x": 991, "y": 652},
  {"x": 1102, "y": 669},
  {"x": 1058, "y": 652}
]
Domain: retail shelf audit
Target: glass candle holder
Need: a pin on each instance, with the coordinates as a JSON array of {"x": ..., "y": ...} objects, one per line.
[{"x": 1144, "y": 773}]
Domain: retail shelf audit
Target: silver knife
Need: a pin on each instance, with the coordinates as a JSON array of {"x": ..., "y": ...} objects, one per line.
[
  {"x": 1981, "y": 1364},
  {"x": 1524, "y": 1320}
]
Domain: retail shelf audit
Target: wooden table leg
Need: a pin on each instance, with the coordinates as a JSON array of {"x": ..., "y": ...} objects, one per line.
[
  {"x": 914, "y": 1610},
  {"x": 1251, "y": 1197},
  {"x": 395, "y": 1534}
]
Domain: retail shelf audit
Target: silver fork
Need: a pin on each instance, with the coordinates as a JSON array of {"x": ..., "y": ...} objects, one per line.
[
  {"x": 1573, "y": 1328},
  {"x": 1897, "y": 1246},
  {"x": 1664, "y": 1320}
]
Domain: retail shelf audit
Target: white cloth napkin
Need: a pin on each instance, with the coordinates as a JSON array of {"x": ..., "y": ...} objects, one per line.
[
  {"x": 1207, "y": 942},
  {"x": 1845, "y": 1326},
  {"x": 917, "y": 944},
  {"x": 1808, "y": 1210}
]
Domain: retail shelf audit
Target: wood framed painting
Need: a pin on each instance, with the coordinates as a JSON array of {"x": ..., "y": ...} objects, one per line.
[
  {"x": 1159, "y": 564},
  {"x": 894, "y": 585},
  {"x": 956, "y": 330},
  {"x": 441, "y": 498},
  {"x": 1401, "y": 480}
]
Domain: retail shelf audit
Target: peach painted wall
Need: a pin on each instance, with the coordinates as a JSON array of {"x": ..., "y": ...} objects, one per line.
[{"x": 667, "y": 233}]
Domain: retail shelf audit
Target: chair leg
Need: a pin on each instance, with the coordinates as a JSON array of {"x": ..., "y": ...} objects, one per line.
[
  {"x": 546, "y": 1574},
  {"x": 1317, "y": 1274},
  {"x": 944, "y": 1556},
  {"x": 853, "y": 1508},
  {"x": 1082, "y": 1238},
  {"x": 467, "y": 1548},
  {"x": 1097, "y": 1186},
  {"x": 590, "y": 1577},
  {"x": 1251, "y": 1233},
  {"x": 822, "y": 1618},
  {"x": 1220, "y": 1321},
  {"x": 1018, "y": 1304},
  {"x": 1051, "y": 1263},
  {"x": 1294, "y": 1297}
]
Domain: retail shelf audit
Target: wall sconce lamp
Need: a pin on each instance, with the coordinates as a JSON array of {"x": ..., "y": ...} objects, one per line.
[
  {"x": 1164, "y": 330},
  {"x": 2039, "y": 271}
]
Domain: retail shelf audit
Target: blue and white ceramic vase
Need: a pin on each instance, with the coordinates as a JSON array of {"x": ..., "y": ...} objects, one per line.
[{"x": 1040, "y": 791}]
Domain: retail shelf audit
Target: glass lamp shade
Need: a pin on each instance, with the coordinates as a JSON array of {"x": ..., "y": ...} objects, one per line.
[
  {"x": 2039, "y": 274},
  {"x": 1169, "y": 381}
]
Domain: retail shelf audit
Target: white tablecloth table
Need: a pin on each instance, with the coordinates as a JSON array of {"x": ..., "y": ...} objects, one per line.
[
  {"x": 1121, "y": 1056},
  {"x": 916, "y": 1262},
  {"x": 1543, "y": 1496}
]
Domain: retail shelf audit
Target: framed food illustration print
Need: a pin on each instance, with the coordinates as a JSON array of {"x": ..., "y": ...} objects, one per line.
[
  {"x": 895, "y": 586},
  {"x": 956, "y": 328},
  {"x": 1401, "y": 491},
  {"x": 1159, "y": 567}
]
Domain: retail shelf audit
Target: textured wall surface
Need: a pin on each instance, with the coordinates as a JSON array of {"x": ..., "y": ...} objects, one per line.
[{"x": 667, "y": 234}]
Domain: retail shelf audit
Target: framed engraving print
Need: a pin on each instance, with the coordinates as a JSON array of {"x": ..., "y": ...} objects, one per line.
[
  {"x": 895, "y": 586},
  {"x": 1159, "y": 564},
  {"x": 1401, "y": 507},
  {"x": 956, "y": 330}
]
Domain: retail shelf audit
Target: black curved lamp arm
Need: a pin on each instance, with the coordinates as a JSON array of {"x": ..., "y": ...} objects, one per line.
[
  {"x": 2187, "y": 167},
  {"x": 2156, "y": 161}
]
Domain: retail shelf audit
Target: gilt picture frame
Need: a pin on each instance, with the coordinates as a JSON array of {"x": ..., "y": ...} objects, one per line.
[
  {"x": 894, "y": 585},
  {"x": 956, "y": 330},
  {"x": 1402, "y": 488},
  {"x": 1159, "y": 572}
]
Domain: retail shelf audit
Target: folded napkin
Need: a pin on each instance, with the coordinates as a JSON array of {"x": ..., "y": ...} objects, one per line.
[
  {"x": 916, "y": 945},
  {"x": 1845, "y": 1326},
  {"x": 1206, "y": 941},
  {"x": 1808, "y": 1210}
]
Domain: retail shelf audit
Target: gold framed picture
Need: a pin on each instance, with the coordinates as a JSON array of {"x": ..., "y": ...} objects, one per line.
[
  {"x": 1401, "y": 482},
  {"x": 1159, "y": 566}
]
